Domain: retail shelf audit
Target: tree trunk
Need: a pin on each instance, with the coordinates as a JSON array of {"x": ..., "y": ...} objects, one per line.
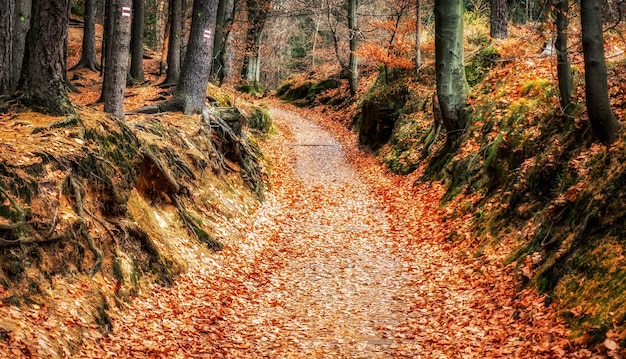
[
  {"x": 175, "y": 42},
  {"x": 449, "y": 54},
  {"x": 564, "y": 71},
  {"x": 136, "y": 41},
  {"x": 332, "y": 27},
  {"x": 601, "y": 116},
  {"x": 418, "y": 36},
  {"x": 14, "y": 24},
  {"x": 315, "y": 35},
  {"x": 42, "y": 81},
  {"x": 88, "y": 56},
  {"x": 354, "y": 46},
  {"x": 194, "y": 77},
  {"x": 116, "y": 61},
  {"x": 226, "y": 51},
  {"x": 498, "y": 20},
  {"x": 218, "y": 66}
]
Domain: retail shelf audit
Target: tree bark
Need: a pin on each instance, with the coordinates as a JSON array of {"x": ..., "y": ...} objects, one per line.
[
  {"x": 191, "y": 90},
  {"x": 42, "y": 80},
  {"x": 353, "y": 77},
  {"x": 175, "y": 42},
  {"x": 14, "y": 24},
  {"x": 498, "y": 20},
  {"x": 564, "y": 71},
  {"x": 136, "y": 41},
  {"x": 88, "y": 56},
  {"x": 116, "y": 61},
  {"x": 601, "y": 116},
  {"x": 450, "y": 68}
]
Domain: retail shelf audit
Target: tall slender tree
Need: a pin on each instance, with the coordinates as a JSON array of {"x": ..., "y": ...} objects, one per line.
[
  {"x": 116, "y": 60},
  {"x": 219, "y": 42},
  {"x": 418, "y": 35},
  {"x": 353, "y": 77},
  {"x": 564, "y": 70},
  {"x": 42, "y": 82},
  {"x": 601, "y": 116},
  {"x": 88, "y": 55},
  {"x": 136, "y": 41},
  {"x": 174, "y": 43},
  {"x": 449, "y": 62}
]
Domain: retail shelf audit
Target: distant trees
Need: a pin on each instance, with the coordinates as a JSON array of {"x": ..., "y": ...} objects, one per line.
[{"x": 257, "y": 12}]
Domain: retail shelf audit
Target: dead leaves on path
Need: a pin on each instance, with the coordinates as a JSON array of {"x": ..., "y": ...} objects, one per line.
[{"x": 295, "y": 285}]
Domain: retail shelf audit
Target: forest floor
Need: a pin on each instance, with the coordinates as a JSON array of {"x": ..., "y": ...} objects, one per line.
[{"x": 342, "y": 260}]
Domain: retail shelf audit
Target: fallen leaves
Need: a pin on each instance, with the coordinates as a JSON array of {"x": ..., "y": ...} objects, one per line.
[{"x": 342, "y": 260}]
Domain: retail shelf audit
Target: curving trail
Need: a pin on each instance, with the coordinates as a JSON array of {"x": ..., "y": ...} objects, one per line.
[{"x": 341, "y": 261}]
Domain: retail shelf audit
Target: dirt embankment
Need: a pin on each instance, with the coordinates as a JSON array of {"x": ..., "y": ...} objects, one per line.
[{"x": 95, "y": 210}]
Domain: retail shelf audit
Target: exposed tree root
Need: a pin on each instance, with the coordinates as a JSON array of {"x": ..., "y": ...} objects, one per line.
[
  {"x": 165, "y": 106},
  {"x": 194, "y": 228},
  {"x": 174, "y": 186},
  {"x": 21, "y": 222},
  {"x": 80, "y": 210},
  {"x": 86, "y": 63},
  {"x": 435, "y": 130},
  {"x": 133, "y": 229},
  {"x": 230, "y": 145}
]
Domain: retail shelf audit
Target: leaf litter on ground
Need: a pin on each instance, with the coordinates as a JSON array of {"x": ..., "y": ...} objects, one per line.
[{"x": 343, "y": 259}]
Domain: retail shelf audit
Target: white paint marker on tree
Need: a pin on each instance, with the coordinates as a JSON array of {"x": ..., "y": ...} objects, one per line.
[
  {"x": 207, "y": 34},
  {"x": 126, "y": 11}
]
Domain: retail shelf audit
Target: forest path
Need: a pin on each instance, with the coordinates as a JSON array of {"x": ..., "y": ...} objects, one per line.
[
  {"x": 341, "y": 291},
  {"x": 342, "y": 260}
]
